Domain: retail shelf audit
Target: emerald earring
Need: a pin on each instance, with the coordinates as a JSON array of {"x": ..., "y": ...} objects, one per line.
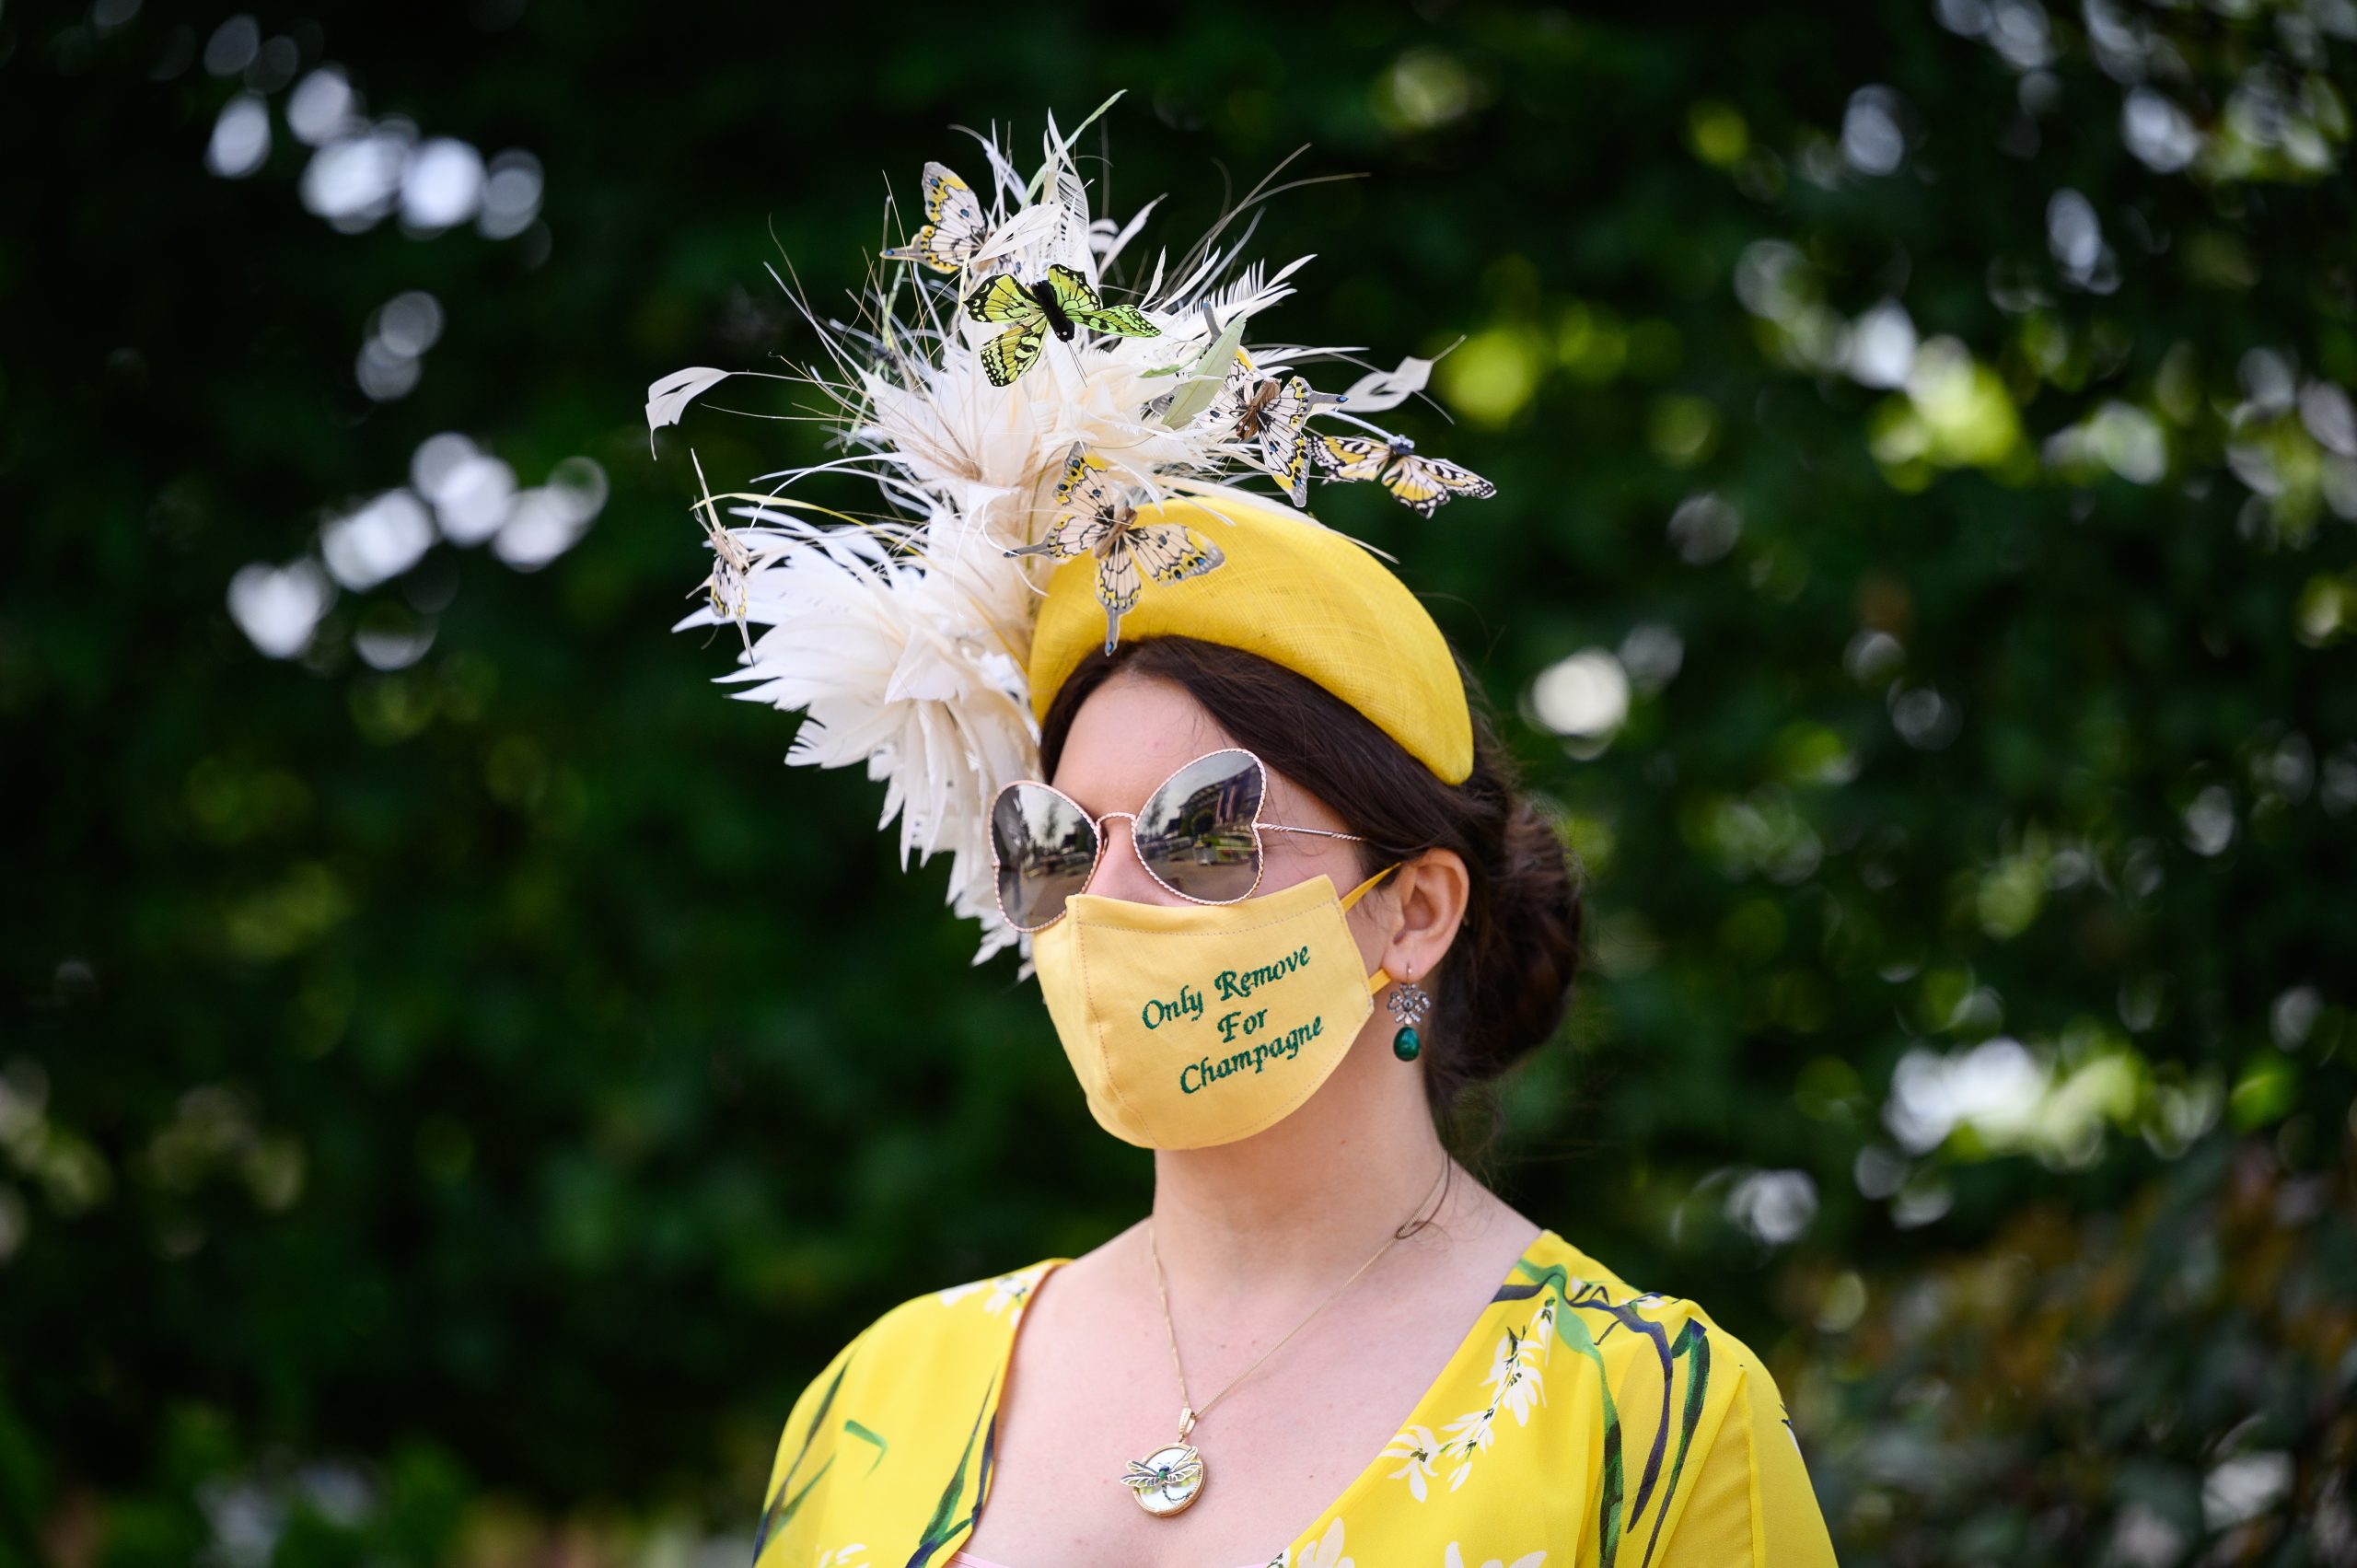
[{"x": 1409, "y": 1002}]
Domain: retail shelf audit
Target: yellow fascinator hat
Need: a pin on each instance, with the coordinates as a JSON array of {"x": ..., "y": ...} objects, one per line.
[{"x": 1293, "y": 592}]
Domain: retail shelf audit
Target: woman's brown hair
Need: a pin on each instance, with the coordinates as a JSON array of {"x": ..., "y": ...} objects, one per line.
[{"x": 1507, "y": 979}]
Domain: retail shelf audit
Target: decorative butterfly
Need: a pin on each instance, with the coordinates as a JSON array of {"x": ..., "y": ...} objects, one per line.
[
  {"x": 1061, "y": 303},
  {"x": 1421, "y": 483},
  {"x": 955, "y": 228},
  {"x": 1095, "y": 518},
  {"x": 732, "y": 563},
  {"x": 1253, "y": 407}
]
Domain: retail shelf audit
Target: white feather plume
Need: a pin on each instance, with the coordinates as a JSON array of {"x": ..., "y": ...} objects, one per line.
[{"x": 904, "y": 637}]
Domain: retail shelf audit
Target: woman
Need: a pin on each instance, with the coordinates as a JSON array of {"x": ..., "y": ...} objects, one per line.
[
  {"x": 1259, "y": 802},
  {"x": 1327, "y": 1343}
]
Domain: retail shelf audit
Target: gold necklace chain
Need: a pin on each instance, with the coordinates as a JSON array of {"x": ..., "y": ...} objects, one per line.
[{"x": 1188, "y": 1413}]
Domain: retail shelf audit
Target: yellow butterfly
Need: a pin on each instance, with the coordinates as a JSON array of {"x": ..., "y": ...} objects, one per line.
[
  {"x": 1061, "y": 302},
  {"x": 956, "y": 226},
  {"x": 1095, "y": 518},
  {"x": 1253, "y": 407},
  {"x": 1423, "y": 483}
]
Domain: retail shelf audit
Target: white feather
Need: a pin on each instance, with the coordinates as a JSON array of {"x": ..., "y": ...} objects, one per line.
[
  {"x": 668, "y": 397},
  {"x": 1381, "y": 390}
]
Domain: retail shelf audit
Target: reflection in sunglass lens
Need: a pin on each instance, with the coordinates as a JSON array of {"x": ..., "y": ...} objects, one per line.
[
  {"x": 1045, "y": 850},
  {"x": 1196, "y": 831}
]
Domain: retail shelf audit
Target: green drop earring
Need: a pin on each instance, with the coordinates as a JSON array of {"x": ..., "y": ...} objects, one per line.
[{"x": 1409, "y": 1002}]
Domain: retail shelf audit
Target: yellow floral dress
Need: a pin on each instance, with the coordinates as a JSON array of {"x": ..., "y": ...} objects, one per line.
[{"x": 1579, "y": 1424}]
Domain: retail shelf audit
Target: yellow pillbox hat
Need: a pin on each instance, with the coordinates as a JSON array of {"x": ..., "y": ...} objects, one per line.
[{"x": 1297, "y": 594}]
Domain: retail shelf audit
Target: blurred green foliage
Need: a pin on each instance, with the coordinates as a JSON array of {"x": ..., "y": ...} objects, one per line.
[{"x": 456, "y": 1084}]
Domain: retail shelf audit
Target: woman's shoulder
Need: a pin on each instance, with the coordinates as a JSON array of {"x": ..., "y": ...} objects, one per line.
[
  {"x": 901, "y": 1405},
  {"x": 1648, "y": 1340},
  {"x": 1695, "y": 1446},
  {"x": 974, "y": 1318}
]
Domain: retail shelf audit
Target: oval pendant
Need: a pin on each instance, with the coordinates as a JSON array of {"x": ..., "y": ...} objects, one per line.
[{"x": 1168, "y": 1480}]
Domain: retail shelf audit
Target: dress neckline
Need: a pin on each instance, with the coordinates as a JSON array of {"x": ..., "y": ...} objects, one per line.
[{"x": 1472, "y": 1347}]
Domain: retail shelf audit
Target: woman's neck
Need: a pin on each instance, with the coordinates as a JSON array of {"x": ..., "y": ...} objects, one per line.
[{"x": 1296, "y": 1207}]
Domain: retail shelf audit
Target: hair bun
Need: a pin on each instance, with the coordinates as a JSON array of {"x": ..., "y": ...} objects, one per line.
[{"x": 1520, "y": 966}]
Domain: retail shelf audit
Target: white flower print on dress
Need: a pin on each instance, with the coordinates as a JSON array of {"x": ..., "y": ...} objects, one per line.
[
  {"x": 1541, "y": 1331},
  {"x": 1008, "y": 1290},
  {"x": 1417, "y": 1446},
  {"x": 1516, "y": 1384},
  {"x": 1516, "y": 1378},
  {"x": 1012, "y": 1290},
  {"x": 1324, "y": 1552},
  {"x": 1469, "y": 1434},
  {"x": 1456, "y": 1558},
  {"x": 852, "y": 1556}
]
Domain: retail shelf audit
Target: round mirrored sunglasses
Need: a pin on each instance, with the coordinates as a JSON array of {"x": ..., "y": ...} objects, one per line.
[{"x": 1198, "y": 835}]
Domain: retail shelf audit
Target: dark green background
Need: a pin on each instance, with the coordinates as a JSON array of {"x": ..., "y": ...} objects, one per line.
[{"x": 449, "y": 1111}]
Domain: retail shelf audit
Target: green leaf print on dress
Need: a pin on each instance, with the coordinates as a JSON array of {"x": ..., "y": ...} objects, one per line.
[
  {"x": 786, "y": 1500},
  {"x": 1691, "y": 1346},
  {"x": 865, "y": 1435},
  {"x": 1516, "y": 1382},
  {"x": 940, "y": 1529}
]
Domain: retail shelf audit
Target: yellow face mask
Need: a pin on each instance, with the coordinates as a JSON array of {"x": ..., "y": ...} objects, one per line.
[{"x": 1190, "y": 1025}]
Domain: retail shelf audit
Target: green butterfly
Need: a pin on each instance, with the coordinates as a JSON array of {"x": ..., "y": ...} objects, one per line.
[{"x": 1061, "y": 302}]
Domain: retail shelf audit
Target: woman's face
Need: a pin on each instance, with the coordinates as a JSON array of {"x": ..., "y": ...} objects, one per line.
[{"x": 1135, "y": 731}]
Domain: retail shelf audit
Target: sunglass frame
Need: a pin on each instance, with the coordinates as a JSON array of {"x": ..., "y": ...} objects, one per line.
[{"x": 1096, "y": 826}]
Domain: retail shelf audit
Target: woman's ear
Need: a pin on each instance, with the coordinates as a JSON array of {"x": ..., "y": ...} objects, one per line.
[{"x": 1427, "y": 904}]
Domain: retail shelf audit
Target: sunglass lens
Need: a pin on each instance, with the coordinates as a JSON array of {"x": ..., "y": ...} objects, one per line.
[
  {"x": 1196, "y": 831},
  {"x": 1045, "y": 850}
]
